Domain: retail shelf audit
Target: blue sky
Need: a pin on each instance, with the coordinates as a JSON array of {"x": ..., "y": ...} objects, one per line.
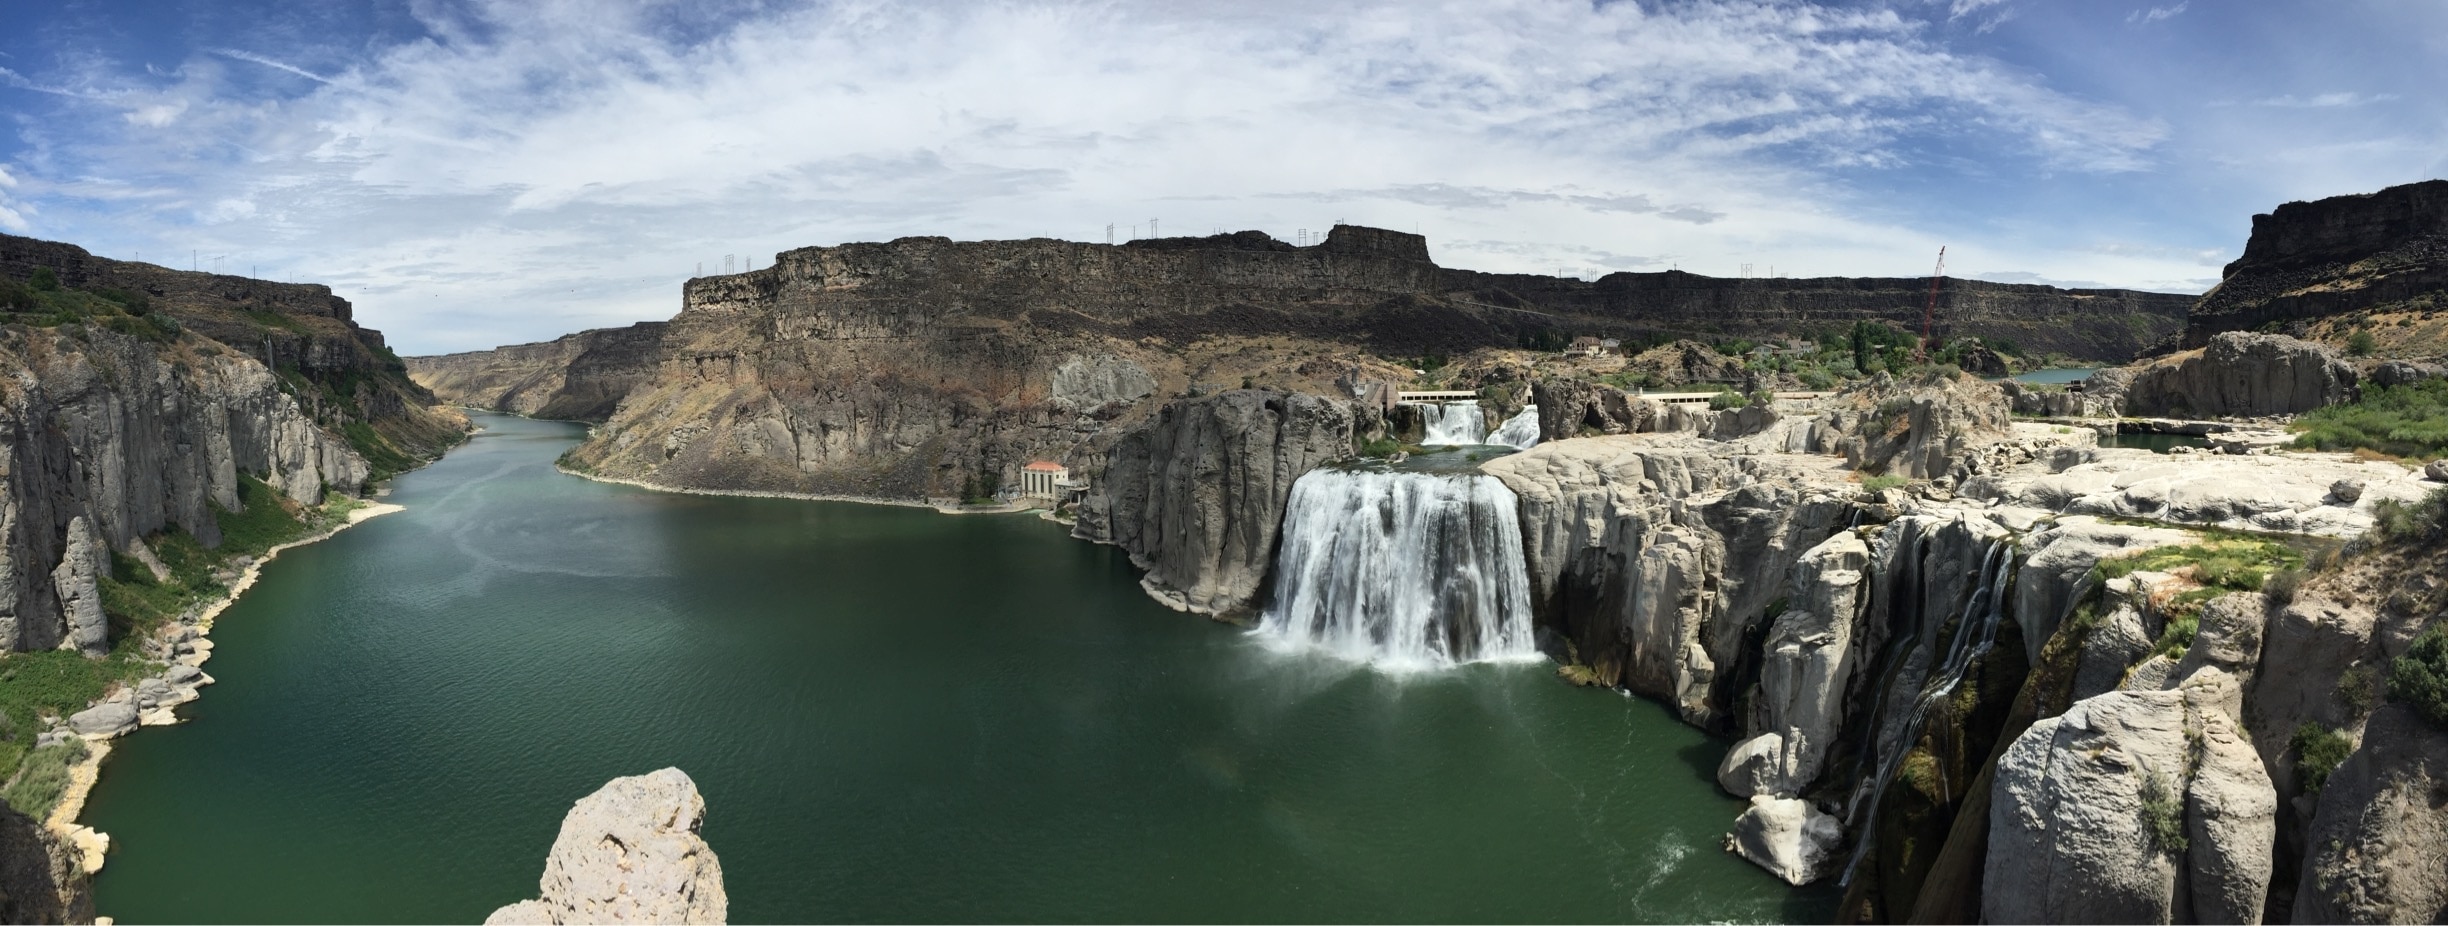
[{"x": 477, "y": 173}]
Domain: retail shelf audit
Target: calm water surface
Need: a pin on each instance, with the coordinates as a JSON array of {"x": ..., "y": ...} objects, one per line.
[
  {"x": 894, "y": 715},
  {"x": 2062, "y": 375}
]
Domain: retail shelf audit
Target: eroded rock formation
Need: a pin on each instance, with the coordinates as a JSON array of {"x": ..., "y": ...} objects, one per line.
[
  {"x": 629, "y": 853},
  {"x": 580, "y": 376},
  {"x": 1196, "y": 495},
  {"x": 2241, "y": 375},
  {"x": 2308, "y": 261}
]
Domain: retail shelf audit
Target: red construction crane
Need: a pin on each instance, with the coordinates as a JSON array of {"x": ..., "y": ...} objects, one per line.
[{"x": 1930, "y": 310}]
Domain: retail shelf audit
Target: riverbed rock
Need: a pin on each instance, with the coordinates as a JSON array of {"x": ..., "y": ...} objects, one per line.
[
  {"x": 2242, "y": 375},
  {"x": 2377, "y": 851},
  {"x": 2087, "y": 809},
  {"x": 2289, "y": 493},
  {"x": 2436, "y": 471},
  {"x": 1196, "y": 495},
  {"x": 114, "y": 716},
  {"x": 629, "y": 853},
  {"x": 1787, "y": 836},
  {"x": 185, "y": 676}
]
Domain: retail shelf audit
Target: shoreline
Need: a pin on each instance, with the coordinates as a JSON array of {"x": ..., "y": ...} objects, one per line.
[
  {"x": 92, "y": 845},
  {"x": 795, "y": 496}
]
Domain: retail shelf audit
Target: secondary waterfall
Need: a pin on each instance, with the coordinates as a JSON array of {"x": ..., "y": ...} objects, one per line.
[
  {"x": 1520, "y": 432},
  {"x": 1450, "y": 423},
  {"x": 1402, "y": 570}
]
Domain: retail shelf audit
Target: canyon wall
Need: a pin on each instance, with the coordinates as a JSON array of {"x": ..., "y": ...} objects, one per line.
[
  {"x": 2307, "y": 262},
  {"x": 295, "y": 330},
  {"x": 925, "y": 367}
]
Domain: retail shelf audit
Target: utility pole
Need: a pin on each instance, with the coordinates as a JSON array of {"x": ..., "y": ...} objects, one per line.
[
  {"x": 1152, "y": 229},
  {"x": 1109, "y": 233}
]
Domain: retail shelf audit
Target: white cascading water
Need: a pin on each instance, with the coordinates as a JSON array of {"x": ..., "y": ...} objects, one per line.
[
  {"x": 1402, "y": 570},
  {"x": 1520, "y": 432},
  {"x": 1452, "y": 423}
]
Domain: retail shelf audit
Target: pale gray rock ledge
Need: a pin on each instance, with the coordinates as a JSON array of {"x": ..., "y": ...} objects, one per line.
[{"x": 629, "y": 853}]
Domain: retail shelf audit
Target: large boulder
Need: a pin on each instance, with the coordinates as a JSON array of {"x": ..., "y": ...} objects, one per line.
[
  {"x": 2242, "y": 375},
  {"x": 1789, "y": 837},
  {"x": 112, "y": 717},
  {"x": 2377, "y": 849},
  {"x": 80, "y": 594},
  {"x": 1573, "y": 408},
  {"x": 1196, "y": 494},
  {"x": 2103, "y": 813},
  {"x": 629, "y": 853}
]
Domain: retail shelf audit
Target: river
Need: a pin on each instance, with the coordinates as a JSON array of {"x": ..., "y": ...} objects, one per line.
[{"x": 894, "y": 715}]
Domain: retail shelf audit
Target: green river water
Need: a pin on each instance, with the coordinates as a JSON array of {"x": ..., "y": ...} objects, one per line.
[{"x": 894, "y": 715}]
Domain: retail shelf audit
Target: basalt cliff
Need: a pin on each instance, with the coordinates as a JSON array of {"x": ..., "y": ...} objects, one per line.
[
  {"x": 2374, "y": 263},
  {"x": 926, "y": 367}
]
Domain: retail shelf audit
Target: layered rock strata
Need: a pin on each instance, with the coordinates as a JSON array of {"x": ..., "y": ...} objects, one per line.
[
  {"x": 2240, "y": 375},
  {"x": 2308, "y": 261},
  {"x": 629, "y": 853},
  {"x": 925, "y": 367}
]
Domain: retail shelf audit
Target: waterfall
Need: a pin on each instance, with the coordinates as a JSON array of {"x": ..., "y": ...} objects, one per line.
[
  {"x": 1975, "y": 632},
  {"x": 1402, "y": 570},
  {"x": 1520, "y": 432},
  {"x": 1451, "y": 423}
]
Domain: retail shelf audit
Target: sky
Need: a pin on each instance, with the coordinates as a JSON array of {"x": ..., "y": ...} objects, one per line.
[{"x": 472, "y": 173}]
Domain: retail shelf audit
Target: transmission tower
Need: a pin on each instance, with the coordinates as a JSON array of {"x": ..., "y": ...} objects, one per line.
[{"x": 1929, "y": 310}]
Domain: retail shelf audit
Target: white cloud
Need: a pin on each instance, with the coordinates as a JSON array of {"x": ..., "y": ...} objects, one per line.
[
  {"x": 2326, "y": 100},
  {"x": 2157, "y": 13},
  {"x": 566, "y": 160}
]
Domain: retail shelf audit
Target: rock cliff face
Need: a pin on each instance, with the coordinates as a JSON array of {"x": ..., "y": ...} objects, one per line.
[
  {"x": 2333, "y": 257},
  {"x": 298, "y": 331},
  {"x": 107, "y": 438},
  {"x": 922, "y": 367},
  {"x": 1196, "y": 495},
  {"x": 629, "y": 853},
  {"x": 581, "y": 376}
]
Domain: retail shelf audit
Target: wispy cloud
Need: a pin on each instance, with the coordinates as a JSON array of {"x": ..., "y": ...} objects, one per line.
[
  {"x": 254, "y": 58},
  {"x": 2157, "y": 13},
  {"x": 577, "y": 160},
  {"x": 2325, "y": 100}
]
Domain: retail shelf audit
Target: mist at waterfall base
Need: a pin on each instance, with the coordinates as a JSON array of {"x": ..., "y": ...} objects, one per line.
[
  {"x": 1402, "y": 570},
  {"x": 894, "y": 716}
]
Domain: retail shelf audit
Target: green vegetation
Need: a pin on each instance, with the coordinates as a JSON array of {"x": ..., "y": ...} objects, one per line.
[
  {"x": 2178, "y": 635},
  {"x": 2409, "y": 421},
  {"x": 2425, "y": 521},
  {"x": 2420, "y": 677},
  {"x": 2360, "y": 343},
  {"x": 42, "y": 778},
  {"x": 2224, "y": 562},
  {"x": 1381, "y": 447},
  {"x": 1876, "y": 484},
  {"x": 43, "y": 303},
  {"x": 56, "y": 683},
  {"x": 1726, "y": 399},
  {"x": 2163, "y": 814},
  {"x": 2318, "y": 751},
  {"x": 43, "y": 281}
]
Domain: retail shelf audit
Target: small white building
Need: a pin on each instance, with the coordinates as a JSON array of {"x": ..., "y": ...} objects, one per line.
[{"x": 1043, "y": 479}]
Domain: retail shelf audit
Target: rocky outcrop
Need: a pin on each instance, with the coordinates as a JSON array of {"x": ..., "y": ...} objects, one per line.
[
  {"x": 629, "y": 853},
  {"x": 579, "y": 377},
  {"x": 1196, "y": 495},
  {"x": 1654, "y": 556},
  {"x": 2308, "y": 261},
  {"x": 2106, "y": 813},
  {"x": 1685, "y": 364},
  {"x": 2241, "y": 375},
  {"x": 1809, "y": 660},
  {"x": 2378, "y": 848},
  {"x": 41, "y": 880},
  {"x": 126, "y": 438}
]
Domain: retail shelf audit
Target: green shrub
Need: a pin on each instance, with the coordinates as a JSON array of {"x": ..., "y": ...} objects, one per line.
[
  {"x": 2404, "y": 421},
  {"x": 2318, "y": 751},
  {"x": 15, "y": 297},
  {"x": 2360, "y": 343},
  {"x": 2420, "y": 677},
  {"x": 1726, "y": 399},
  {"x": 1883, "y": 483},
  {"x": 2178, "y": 635},
  {"x": 2163, "y": 814},
  {"x": 2425, "y": 521},
  {"x": 1381, "y": 447},
  {"x": 43, "y": 281}
]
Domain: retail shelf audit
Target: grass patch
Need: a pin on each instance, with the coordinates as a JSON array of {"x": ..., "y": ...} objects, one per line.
[
  {"x": 2319, "y": 751},
  {"x": 42, "y": 777},
  {"x": 1877, "y": 484},
  {"x": 2409, "y": 421}
]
